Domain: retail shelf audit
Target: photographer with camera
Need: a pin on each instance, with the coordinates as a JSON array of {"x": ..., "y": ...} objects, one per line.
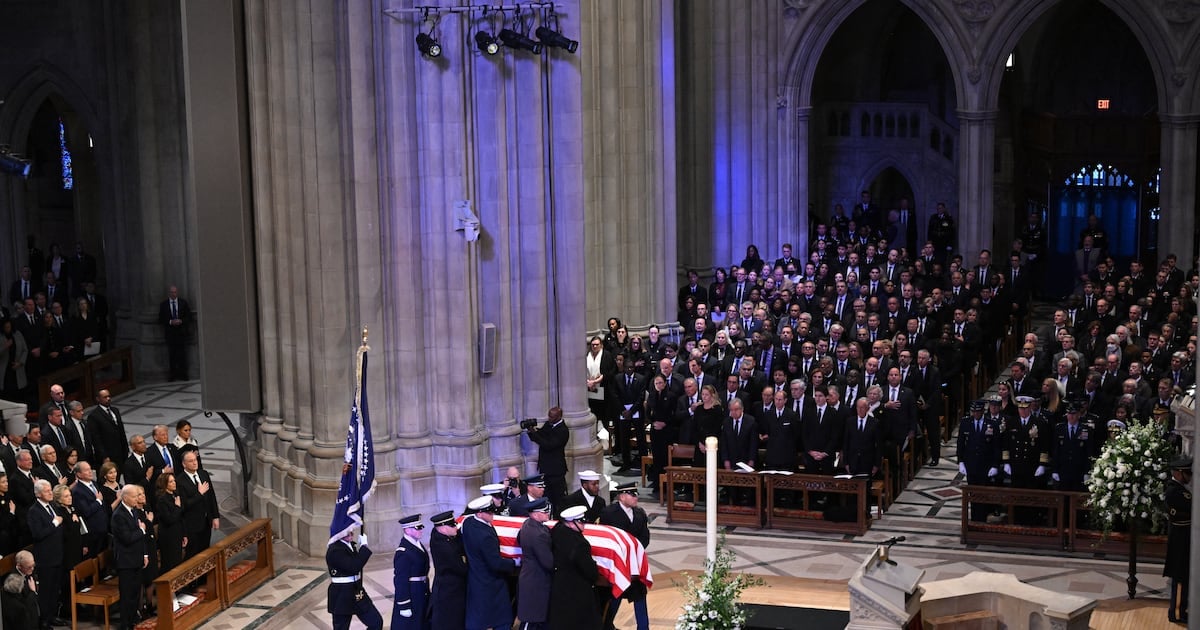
[{"x": 551, "y": 439}]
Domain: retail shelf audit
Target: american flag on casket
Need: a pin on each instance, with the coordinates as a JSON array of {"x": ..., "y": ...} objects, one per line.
[{"x": 619, "y": 556}]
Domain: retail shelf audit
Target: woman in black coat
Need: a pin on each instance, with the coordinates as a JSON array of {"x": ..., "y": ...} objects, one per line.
[
  {"x": 707, "y": 421},
  {"x": 168, "y": 513},
  {"x": 73, "y": 540},
  {"x": 660, "y": 413}
]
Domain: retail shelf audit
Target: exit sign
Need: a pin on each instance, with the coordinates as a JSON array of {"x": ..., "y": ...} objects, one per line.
[{"x": 1102, "y": 103}]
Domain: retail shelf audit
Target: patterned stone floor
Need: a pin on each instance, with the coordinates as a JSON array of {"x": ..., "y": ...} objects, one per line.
[{"x": 927, "y": 513}]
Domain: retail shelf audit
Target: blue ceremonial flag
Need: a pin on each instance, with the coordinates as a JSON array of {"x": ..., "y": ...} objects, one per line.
[{"x": 358, "y": 471}]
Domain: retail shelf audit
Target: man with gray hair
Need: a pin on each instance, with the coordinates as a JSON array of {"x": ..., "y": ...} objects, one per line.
[
  {"x": 132, "y": 547},
  {"x": 49, "y": 469},
  {"x": 45, "y": 527},
  {"x": 19, "y": 594},
  {"x": 77, "y": 432}
]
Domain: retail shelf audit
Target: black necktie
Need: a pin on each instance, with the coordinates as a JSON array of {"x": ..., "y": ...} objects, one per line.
[{"x": 979, "y": 426}]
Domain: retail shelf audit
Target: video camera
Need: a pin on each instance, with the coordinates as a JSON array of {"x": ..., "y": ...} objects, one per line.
[{"x": 529, "y": 424}]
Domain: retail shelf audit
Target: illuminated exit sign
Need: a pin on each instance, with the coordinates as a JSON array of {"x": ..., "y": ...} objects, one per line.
[{"x": 1102, "y": 103}]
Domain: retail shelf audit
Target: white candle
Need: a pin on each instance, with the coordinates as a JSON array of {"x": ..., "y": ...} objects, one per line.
[{"x": 710, "y": 498}]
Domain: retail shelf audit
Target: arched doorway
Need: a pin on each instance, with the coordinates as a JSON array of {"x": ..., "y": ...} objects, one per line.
[
  {"x": 883, "y": 93},
  {"x": 892, "y": 190}
]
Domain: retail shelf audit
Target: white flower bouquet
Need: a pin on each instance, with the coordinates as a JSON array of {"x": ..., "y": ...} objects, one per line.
[
  {"x": 1128, "y": 480},
  {"x": 712, "y": 600}
]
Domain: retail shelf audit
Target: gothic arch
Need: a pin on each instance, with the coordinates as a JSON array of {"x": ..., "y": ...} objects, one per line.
[
  {"x": 43, "y": 82},
  {"x": 826, "y": 18},
  {"x": 875, "y": 169}
]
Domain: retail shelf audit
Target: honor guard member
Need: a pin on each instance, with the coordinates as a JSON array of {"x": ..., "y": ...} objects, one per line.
[
  {"x": 979, "y": 453},
  {"x": 575, "y": 574},
  {"x": 588, "y": 495},
  {"x": 1072, "y": 451},
  {"x": 410, "y": 578},
  {"x": 1025, "y": 452},
  {"x": 347, "y": 596},
  {"x": 535, "y": 488},
  {"x": 496, "y": 492},
  {"x": 488, "y": 603},
  {"x": 448, "y": 601},
  {"x": 625, "y": 514},
  {"x": 537, "y": 567},
  {"x": 1179, "y": 544}
]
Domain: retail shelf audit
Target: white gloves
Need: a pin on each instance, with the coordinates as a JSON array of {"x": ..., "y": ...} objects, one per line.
[
  {"x": 1041, "y": 470},
  {"x": 517, "y": 561},
  {"x": 992, "y": 472},
  {"x": 405, "y": 612},
  {"x": 1054, "y": 476},
  {"x": 1007, "y": 469},
  {"x": 962, "y": 469},
  {"x": 362, "y": 540}
]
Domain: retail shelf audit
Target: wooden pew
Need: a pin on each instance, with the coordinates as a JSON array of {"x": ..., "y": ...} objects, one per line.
[
  {"x": 806, "y": 516},
  {"x": 727, "y": 512},
  {"x": 83, "y": 379},
  {"x": 244, "y": 575},
  {"x": 1049, "y": 535},
  {"x": 205, "y": 566}
]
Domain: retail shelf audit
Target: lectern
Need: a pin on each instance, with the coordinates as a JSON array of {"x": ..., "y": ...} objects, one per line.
[{"x": 885, "y": 594}]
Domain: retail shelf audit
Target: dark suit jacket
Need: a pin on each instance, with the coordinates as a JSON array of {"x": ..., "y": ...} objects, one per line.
[
  {"x": 154, "y": 457},
  {"x": 14, "y": 290},
  {"x": 552, "y": 442},
  {"x": 739, "y": 446},
  {"x": 108, "y": 436},
  {"x": 132, "y": 472},
  {"x": 783, "y": 439},
  {"x": 898, "y": 423},
  {"x": 130, "y": 543},
  {"x": 95, "y": 512},
  {"x": 639, "y": 527},
  {"x": 860, "y": 449},
  {"x": 825, "y": 436},
  {"x": 175, "y": 334},
  {"x": 47, "y": 537},
  {"x": 198, "y": 509},
  {"x": 634, "y": 394}
]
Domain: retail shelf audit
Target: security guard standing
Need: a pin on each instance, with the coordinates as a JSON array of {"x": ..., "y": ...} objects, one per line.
[
  {"x": 410, "y": 578},
  {"x": 448, "y": 604},
  {"x": 347, "y": 597},
  {"x": 1179, "y": 543},
  {"x": 979, "y": 453}
]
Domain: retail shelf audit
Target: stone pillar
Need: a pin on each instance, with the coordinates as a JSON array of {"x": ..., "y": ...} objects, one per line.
[
  {"x": 976, "y": 195},
  {"x": 1177, "y": 193},
  {"x": 627, "y": 56},
  {"x": 795, "y": 134}
]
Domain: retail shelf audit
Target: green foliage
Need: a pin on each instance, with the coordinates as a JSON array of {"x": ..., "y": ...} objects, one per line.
[
  {"x": 712, "y": 600},
  {"x": 1128, "y": 480}
]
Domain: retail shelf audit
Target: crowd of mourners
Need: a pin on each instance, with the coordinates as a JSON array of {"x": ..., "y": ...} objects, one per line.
[{"x": 843, "y": 356}]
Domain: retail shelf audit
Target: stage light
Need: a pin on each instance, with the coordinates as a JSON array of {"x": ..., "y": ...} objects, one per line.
[
  {"x": 553, "y": 38},
  {"x": 428, "y": 45},
  {"x": 487, "y": 43},
  {"x": 513, "y": 39},
  {"x": 14, "y": 164}
]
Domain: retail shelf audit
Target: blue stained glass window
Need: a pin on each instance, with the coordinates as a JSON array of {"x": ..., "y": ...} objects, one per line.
[{"x": 68, "y": 175}]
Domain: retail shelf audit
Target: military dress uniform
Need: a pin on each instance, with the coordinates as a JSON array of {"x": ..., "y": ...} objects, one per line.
[
  {"x": 1025, "y": 452},
  {"x": 448, "y": 602},
  {"x": 347, "y": 597},
  {"x": 1179, "y": 524},
  {"x": 979, "y": 454},
  {"x": 410, "y": 577},
  {"x": 1072, "y": 455}
]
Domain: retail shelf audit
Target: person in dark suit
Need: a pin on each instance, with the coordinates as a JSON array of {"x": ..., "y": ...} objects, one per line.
[
  {"x": 626, "y": 515},
  {"x": 168, "y": 512},
  {"x": 161, "y": 455},
  {"x": 898, "y": 415},
  {"x": 979, "y": 453},
  {"x": 49, "y": 469},
  {"x": 200, "y": 512},
  {"x": 587, "y": 496},
  {"x": 346, "y": 595},
  {"x": 137, "y": 467},
  {"x": 779, "y": 427},
  {"x": 20, "y": 490},
  {"x": 575, "y": 573},
  {"x": 1179, "y": 537},
  {"x": 89, "y": 504},
  {"x": 24, "y": 287},
  {"x": 860, "y": 444},
  {"x": 693, "y": 289},
  {"x": 18, "y": 595},
  {"x": 108, "y": 431},
  {"x": 551, "y": 439},
  {"x": 631, "y": 397},
  {"x": 448, "y": 600},
  {"x": 1071, "y": 451},
  {"x": 661, "y": 402},
  {"x": 928, "y": 380},
  {"x": 739, "y": 437},
  {"x": 78, "y": 433},
  {"x": 820, "y": 434},
  {"x": 54, "y": 432},
  {"x": 175, "y": 317},
  {"x": 410, "y": 575},
  {"x": 488, "y": 604},
  {"x": 537, "y": 567},
  {"x": 45, "y": 528}
]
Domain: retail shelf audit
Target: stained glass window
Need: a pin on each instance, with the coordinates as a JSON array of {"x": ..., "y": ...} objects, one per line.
[{"x": 68, "y": 175}]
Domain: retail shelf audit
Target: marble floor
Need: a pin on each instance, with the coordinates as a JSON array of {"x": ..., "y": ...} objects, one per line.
[{"x": 927, "y": 514}]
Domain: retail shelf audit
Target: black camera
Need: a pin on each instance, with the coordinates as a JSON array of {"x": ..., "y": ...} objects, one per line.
[{"x": 529, "y": 424}]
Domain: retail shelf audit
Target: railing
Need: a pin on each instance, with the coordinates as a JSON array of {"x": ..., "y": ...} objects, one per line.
[
  {"x": 1054, "y": 520},
  {"x": 82, "y": 380},
  {"x": 223, "y": 582},
  {"x": 899, "y": 123},
  {"x": 805, "y": 516}
]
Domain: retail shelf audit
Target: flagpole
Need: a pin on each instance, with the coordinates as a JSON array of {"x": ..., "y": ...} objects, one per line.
[{"x": 358, "y": 382}]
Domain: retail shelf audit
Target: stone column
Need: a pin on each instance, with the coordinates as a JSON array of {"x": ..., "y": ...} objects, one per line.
[
  {"x": 1177, "y": 192},
  {"x": 976, "y": 194},
  {"x": 627, "y": 59}
]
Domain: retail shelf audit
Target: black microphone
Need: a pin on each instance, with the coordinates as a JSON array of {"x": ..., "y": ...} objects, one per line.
[{"x": 893, "y": 540}]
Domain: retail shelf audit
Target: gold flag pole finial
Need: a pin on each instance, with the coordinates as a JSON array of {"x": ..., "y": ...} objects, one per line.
[{"x": 364, "y": 335}]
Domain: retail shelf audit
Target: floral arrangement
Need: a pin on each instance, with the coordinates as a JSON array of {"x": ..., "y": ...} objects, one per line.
[
  {"x": 1128, "y": 480},
  {"x": 712, "y": 601}
]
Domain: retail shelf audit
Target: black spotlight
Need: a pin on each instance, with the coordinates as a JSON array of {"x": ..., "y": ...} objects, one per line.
[
  {"x": 486, "y": 43},
  {"x": 553, "y": 38},
  {"x": 513, "y": 39},
  {"x": 428, "y": 45},
  {"x": 14, "y": 164}
]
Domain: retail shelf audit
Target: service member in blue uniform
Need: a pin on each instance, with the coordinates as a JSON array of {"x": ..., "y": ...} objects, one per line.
[
  {"x": 410, "y": 577},
  {"x": 537, "y": 567},
  {"x": 347, "y": 597},
  {"x": 1072, "y": 450},
  {"x": 488, "y": 603},
  {"x": 1179, "y": 537},
  {"x": 625, "y": 514},
  {"x": 535, "y": 489},
  {"x": 979, "y": 453},
  {"x": 448, "y": 603}
]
